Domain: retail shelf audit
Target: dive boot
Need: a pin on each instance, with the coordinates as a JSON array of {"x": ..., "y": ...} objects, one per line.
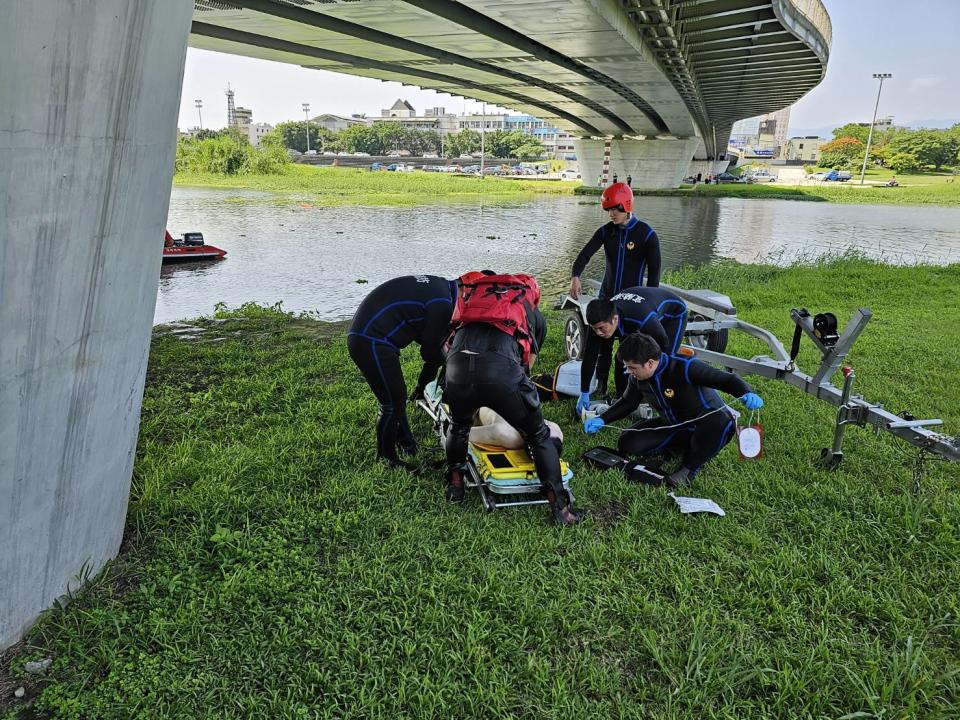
[
  {"x": 456, "y": 484},
  {"x": 679, "y": 478},
  {"x": 566, "y": 515}
]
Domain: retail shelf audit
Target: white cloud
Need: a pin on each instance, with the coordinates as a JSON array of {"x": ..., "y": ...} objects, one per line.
[{"x": 925, "y": 82}]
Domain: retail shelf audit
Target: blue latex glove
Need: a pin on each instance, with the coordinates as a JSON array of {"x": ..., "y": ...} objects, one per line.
[
  {"x": 752, "y": 401},
  {"x": 583, "y": 403},
  {"x": 593, "y": 425}
]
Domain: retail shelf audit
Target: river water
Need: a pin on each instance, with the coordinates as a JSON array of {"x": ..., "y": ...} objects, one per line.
[{"x": 325, "y": 259}]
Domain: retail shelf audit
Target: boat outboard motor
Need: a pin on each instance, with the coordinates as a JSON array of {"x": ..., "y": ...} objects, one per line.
[{"x": 193, "y": 239}]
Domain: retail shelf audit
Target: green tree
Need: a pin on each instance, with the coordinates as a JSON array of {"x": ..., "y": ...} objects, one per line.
[
  {"x": 464, "y": 142},
  {"x": 903, "y": 162},
  {"x": 930, "y": 147},
  {"x": 293, "y": 135},
  {"x": 361, "y": 138},
  {"x": 841, "y": 153},
  {"x": 852, "y": 130},
  {"x": 532, "y": 149},
  {"x": 230, "y": 153}
]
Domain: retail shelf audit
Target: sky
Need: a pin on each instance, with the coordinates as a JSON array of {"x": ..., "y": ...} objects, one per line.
[{"x": 915, "y": 41}]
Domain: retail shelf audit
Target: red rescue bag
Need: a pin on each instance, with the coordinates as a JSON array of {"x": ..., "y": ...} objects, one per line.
[{"x": 498, "y": 300}]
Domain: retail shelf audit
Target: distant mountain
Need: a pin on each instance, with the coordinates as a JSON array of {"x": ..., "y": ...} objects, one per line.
[{"x": 826, "y": 131}]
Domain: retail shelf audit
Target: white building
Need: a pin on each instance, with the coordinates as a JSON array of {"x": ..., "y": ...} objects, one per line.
[
  {"x": 336, "y": 123},
  {"x": 436, "y": 119},
  {"x": 804, "y": 149},
  {"x": 257, "y": 131}
]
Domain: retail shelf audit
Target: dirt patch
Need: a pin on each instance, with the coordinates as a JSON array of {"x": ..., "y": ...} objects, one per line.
[{"x": 608, "y": 515}]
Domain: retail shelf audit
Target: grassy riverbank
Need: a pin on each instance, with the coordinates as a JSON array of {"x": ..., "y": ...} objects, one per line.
[
  {"x": 335, "y": 186},
  {"x": 929, "y": 189},
  {"x": 271, "y": 569}
]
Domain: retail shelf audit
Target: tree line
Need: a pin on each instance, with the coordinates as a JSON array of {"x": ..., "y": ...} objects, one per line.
[
  {"x": 899, "y": 149},
  {"x": 382, "y": 138},
  {"x": 229, "y": 152}
]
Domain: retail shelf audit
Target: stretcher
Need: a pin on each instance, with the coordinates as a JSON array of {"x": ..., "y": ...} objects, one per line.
[{"x": 503, "y": 477}]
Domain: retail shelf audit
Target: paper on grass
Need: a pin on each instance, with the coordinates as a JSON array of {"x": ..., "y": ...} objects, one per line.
[{"x": 695, "y": 505}]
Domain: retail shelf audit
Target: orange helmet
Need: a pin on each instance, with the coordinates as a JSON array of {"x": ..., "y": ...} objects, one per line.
[{"x": 617, "y": 194}]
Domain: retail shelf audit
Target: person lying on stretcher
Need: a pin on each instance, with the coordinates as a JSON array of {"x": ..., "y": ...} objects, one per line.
[{"x": 490, "y": 429}]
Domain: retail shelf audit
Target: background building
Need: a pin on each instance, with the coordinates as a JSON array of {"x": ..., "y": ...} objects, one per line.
[
  {"x": 336, "y": 123},
  {"x": 436, "y": 118},
  {"x": 803, "y": 149},
  {"x": 257, "y": 131},
  {"x": 761, "y": 136}
]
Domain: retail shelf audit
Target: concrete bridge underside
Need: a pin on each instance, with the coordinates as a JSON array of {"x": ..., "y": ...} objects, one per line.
[
  {"x": 635, "y": 71},
  {"x": 90, "y": 92}
]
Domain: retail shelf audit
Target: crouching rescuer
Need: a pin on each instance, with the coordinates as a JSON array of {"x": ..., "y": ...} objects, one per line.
[
  {"x": 492, "y": 349},
  {"x": 694, "y": 422}
]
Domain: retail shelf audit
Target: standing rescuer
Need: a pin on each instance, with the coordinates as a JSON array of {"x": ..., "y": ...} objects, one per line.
[
  {"x": 488, "y": 362},
  {"x": 631, "y": 250},
  {"x": 413, "y": 308},
  {"x": 694, "y": 422}
]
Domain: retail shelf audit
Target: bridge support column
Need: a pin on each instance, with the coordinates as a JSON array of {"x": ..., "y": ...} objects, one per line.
[
  {"x": 650, "y": 163},
  {"x": 707, "y": 167},
  {"x": 90, "y": 93}
]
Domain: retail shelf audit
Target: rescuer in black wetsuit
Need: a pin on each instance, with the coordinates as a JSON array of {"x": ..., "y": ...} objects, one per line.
[
  {"x": 630, "y": 247},
  {"x": 413, "y": 308},
  {"x": 694, "y": 422},
  {"x": 656, "y": 311},
  {"x": 485, "y": 368}
]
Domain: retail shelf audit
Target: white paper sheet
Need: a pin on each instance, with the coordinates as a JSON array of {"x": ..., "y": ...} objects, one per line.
[{"x": 695, "y": 505}]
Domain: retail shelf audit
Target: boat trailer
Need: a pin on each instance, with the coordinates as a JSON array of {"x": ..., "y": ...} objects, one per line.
[{"x": 712, "y": 316}]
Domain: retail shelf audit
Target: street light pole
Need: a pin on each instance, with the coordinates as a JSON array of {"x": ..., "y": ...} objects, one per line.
[
  {"x": 483, "y": 135},
  {"x": 866, "y": 154},
  {"x": 199, "y": 103},
  {"x": 306, "y": 115}
]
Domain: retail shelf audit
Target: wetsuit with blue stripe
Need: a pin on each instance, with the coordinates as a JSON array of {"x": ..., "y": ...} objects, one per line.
[
  {"x": 656, "y": 311},
  {"x": 694, "y": 421},
  {"x": 413, "y": 308},
  {"x": 630, "y": 251}
]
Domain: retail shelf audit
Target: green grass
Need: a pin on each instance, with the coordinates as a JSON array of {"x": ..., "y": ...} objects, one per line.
[
  {"x": 927, "y": 189},
  {"x": 338, "y": 186},
  {"x": 272, "y": 569}
]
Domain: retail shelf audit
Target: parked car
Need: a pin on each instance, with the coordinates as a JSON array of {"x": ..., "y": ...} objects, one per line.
[
  {"x": 310, "y": 152},
  {"x": 361, "y": 154},
  {"x": 726, "y": 177},
  {"x": 329, "y": 153},
  {"x": 762, "y": 176},
  {"x": 569, "y": 175},
  {"x": 430, "y": 155}
]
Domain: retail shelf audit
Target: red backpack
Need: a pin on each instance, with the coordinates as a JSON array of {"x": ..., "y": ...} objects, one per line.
[{"x": 499, "y": 300}]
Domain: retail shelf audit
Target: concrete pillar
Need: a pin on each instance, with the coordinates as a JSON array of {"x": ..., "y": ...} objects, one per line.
[
  {"x": 89, "y": 95},
  {"x": 650, "y": 163},
  {"x": 707, "y": 167}
]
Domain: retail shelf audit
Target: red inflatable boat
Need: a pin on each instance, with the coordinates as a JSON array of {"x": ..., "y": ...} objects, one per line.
[{"x": 190, "y": 247}]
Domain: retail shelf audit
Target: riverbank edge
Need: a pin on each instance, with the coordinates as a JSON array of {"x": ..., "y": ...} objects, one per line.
[
  {"x": 357, "y": 186},
  {"x": 919, "y": 196},
  {"x": 260, "y": 535}
]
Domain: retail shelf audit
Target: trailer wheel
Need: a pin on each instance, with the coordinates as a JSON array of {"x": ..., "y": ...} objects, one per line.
[
  {"x": 715, "y": 341},
  {"x": 574, "y": 335}
]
